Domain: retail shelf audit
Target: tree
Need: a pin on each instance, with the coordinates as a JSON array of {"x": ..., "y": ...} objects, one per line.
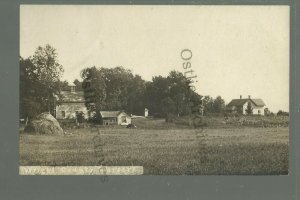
[
  {"x": 31, "y": 104},
  {"x": 169, "y": 107},
  {"x": 136, "y": 92},
  {"x": 218, "y": 105},
  {"x": 195, "y": 102},
  {"x": 282, "y": 113},
  {"x": 47, "y": 72},
  {"x": 267, "y": 112},
  {"x": 117, "y": 82},
  {"x": 180, "y": 92},
  {"x": 208, "y": 103},
  {"x": 174, "y": 90},
  {"x": 94, "y": 88},
  {"x": 249, "y": 109},
  {"x": 65, "y": 86},
  {"x": 40, "y": 83},
  {"x": 156, "y": 90},
  {"x": 78, "y": 85}
]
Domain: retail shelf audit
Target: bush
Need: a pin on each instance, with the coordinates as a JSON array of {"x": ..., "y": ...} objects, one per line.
[
  {"x": 227, "y": 115},
  {"x": 170, "y": 117},
  {"x": 80, "y": 117},
  {"x": 282, "y": 113}
]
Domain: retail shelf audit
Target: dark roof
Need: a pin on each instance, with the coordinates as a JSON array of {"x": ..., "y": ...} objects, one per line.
[
  {"x": 237, "y": 102},
  {"x": 75, "y": 97},
  {"x": 105, "y": 114},
  {"x": 241, "y": 102},
  {"x": 258, "y": 102}
]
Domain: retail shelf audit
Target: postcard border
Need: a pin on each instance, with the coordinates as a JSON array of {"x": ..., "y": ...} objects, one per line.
[{"x": 14, "y": 186}]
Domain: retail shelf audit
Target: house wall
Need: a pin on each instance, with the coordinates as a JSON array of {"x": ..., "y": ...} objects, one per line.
[
  {"x": 109, "y": 120},
  {"x": 70, "y": 110},
  {"x": 128, "y": 119},
  {"x": 256, "y": 110},
  {"x": 245, "y": 107}
]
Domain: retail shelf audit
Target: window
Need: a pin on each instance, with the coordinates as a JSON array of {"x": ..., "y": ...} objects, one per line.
[
  {"x": 63, "y": 114},
  {"x": 258, "y": 112},
  {"x": 123, "y": 119}
]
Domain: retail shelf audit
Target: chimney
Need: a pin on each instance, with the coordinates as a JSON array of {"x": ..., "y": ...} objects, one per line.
[
  {"x": 241, "y": 97},
  {"x": 249, "y": 96}
]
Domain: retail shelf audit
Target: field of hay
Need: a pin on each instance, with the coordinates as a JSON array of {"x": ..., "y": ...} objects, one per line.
[{"x": 165, "y": 149}]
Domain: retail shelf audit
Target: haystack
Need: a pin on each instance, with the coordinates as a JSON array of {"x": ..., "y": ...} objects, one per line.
[{"x": 44, "y": 124}]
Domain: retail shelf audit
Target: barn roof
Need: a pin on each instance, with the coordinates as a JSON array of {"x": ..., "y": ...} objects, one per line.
[
  {"x": 240, "y": 102},
  {"x": 75, "y": 97},
  {"x": 105, "y": 114}
]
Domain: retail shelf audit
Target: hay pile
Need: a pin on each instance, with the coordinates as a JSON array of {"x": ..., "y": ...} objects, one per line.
[{"x": 44, "y": 124}]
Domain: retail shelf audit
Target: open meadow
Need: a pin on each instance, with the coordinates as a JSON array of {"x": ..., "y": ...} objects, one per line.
[{"x": 165, "y": 149}]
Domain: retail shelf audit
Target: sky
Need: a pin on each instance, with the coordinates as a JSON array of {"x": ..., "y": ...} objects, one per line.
[{"x": 236, "y": 50}]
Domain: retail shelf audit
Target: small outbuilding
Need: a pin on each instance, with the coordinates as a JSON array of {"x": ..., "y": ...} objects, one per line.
[{"x": 115, "y": 118}]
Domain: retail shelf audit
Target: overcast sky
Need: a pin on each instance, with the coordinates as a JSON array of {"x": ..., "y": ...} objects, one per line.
[{"x": 237, "y": 50}]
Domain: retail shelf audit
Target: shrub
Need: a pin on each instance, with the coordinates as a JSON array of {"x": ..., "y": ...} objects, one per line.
[
  {"x": 282, "y": 113},
  {"x": 80, "y": 117}
]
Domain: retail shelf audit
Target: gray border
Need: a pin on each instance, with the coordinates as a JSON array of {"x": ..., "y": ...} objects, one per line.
[{"x": 13, "y": 186}]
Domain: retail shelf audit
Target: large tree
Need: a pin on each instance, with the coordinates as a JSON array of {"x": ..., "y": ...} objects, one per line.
[
  {"x": 94, "y": 88},
  {"x": 157, "y": 90},
  {"x": 40, "y": 83},
  {"x": 136, "y": 92},
  {"x": 31, "y": 103},
  {"x": 117, "y": 82},
  {"x": 172, "y": 95}
]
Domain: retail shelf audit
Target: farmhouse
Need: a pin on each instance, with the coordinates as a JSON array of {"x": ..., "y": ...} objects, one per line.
[
  {"x": 73, "y": 102},
  {"x": 240, "y": 106},
  {"x": 115, "y": 117}
]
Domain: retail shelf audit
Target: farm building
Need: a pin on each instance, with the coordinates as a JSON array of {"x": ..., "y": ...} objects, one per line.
[
  {"x": 73, "y": 102},
  {"x": 240, "y": 106},
  {"x": 115, "y": 117}
]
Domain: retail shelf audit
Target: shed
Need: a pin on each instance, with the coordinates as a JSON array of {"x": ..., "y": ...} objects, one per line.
[{"x": 115, "y": 118}]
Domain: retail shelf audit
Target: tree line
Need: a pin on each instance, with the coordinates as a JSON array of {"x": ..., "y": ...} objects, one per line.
[
  {"x": 119, "y": 89},
  {"x": 108, "y": 89}
]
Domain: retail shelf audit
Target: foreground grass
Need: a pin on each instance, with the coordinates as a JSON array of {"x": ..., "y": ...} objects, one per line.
[{"x": 166, "y": 151}]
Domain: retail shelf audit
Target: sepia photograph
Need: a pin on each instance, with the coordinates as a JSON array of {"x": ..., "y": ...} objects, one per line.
[{"x": 154, "y": 90}]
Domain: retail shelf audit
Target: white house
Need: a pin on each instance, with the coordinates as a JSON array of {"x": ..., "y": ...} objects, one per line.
[{"x": 240, "y": 106}]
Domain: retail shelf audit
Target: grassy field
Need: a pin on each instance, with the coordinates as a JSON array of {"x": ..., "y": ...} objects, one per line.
[{"x": 164, "y": 149}]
